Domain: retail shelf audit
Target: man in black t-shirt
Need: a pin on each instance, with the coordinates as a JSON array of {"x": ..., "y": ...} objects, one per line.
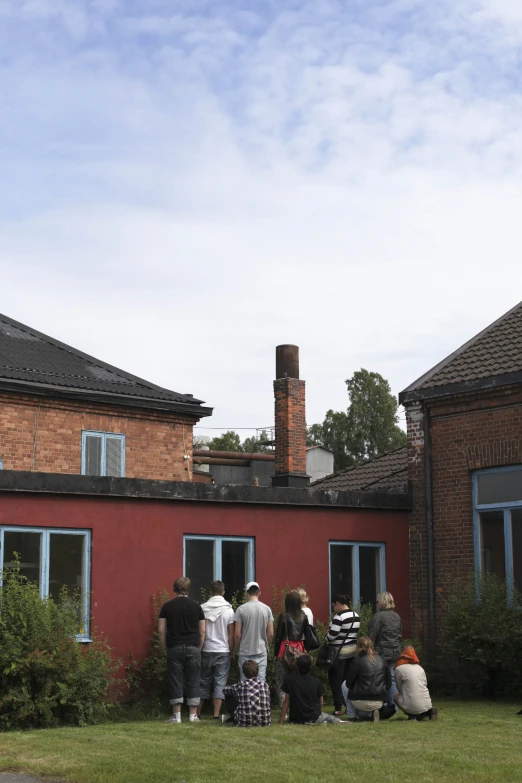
[
  {"x": 304, "y": 696},
  {"x": 181, "y": 629}
]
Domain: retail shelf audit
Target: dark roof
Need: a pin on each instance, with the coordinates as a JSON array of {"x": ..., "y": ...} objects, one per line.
[
  {"x": 491, "y": 358},
  {"x": 34, "y": 362},
  {"x": 388, "y": 473}
]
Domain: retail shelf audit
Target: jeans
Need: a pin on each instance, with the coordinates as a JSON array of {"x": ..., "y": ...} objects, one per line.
[
  {"x": 351, "y": 710},
  {"x": 280, "y": 672},
  {"x": 392, "y": 690},
  {"x": 259, "y": 659},
  {"x": 214, "y": 672},
  {"x": 336, "y": 677},
  {"x": 184, "y": 663}
]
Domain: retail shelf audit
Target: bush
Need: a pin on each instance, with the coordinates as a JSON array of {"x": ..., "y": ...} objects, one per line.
[
  {"x": 481, "y": 642},
  {"x": 46, "y": 677}
]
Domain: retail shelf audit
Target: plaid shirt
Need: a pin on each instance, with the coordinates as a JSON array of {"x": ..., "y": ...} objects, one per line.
[{"x": 254, "y": 702}]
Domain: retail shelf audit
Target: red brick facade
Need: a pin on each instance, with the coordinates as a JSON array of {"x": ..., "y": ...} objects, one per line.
[
  {"x": 468, "y": 432},
  {"x": 290, "y": 426},
  {"x": 42, "y": 434}
]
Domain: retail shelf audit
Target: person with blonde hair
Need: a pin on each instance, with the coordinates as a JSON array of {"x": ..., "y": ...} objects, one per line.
[
  {"x": 385, "y": 631},
  {"x": 304, "y": 604},
  {"x": 366, "y": 684}
]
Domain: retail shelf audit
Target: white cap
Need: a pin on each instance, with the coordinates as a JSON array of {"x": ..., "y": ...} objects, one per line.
[{"x": 252, "y": 584}]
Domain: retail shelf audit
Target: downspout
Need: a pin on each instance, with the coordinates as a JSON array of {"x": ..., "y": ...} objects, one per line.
[{"x": 429, "y": 531}]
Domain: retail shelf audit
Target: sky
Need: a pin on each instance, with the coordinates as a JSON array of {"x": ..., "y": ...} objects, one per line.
[{"x": 189, "y": 183}]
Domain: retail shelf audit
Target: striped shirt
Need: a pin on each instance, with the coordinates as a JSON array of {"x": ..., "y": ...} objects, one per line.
[{"x": 344, "y": 628}]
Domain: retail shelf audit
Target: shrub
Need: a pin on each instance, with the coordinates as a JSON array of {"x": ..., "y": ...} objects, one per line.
[
  {"x": 46, "y": 677},
  {"x": 481, "y": 641}
]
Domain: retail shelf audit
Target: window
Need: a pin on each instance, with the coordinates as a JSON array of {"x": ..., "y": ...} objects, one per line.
[
  {"x": 210, "y": 557},
  {"x": 54, "y": 559},
  {"x": 103, "y": 454},
  {"x": 357, "y": 569},
  {"x": 497, "y": 502}
]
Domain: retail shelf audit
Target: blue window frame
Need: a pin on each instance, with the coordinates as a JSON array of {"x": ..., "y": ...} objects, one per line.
[
  {"x": 227, "y": 558},
  {"x": 497, "y": 522},
  {"x": 54, "y": 558},
  {"x": 103, "y": 453},
  {"x": 357, "y": 568}
]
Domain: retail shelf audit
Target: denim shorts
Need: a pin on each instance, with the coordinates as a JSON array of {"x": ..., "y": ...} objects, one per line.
[
  {"x": 183, "y": 666},
  {"x": 214, "y": 674}
]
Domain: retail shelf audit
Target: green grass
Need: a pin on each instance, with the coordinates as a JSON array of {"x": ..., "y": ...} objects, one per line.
[{"x": 471, "y": 741}]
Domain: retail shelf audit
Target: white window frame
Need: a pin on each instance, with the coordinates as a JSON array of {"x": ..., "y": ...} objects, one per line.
[
  {"x": 45, "y": 541},
  {"x": 505, "y": 507},
  {"x": 218, "y": 562},
  {"x": 356, "y": 581},
  {"x": 103, "y": 436}
]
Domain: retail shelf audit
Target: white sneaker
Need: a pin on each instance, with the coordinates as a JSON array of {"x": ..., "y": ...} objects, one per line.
[
  {"x": 194, "y": 719},
  {"x": 173, "y": 719}
]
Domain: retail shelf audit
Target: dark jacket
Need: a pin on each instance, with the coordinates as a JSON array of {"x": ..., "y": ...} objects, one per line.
[
  {"x": 367, "y": 679},
  {"x": 295, "y": 630},
  {"x": 385, "y": 631}
]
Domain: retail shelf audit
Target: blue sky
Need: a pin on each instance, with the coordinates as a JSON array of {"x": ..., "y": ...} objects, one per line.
[{"x": 188, "y": 184}]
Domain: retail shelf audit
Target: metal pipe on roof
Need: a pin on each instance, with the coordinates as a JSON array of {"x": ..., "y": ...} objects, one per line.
[
  {"x": 244, "y": 455},
  {"x": 238, "y": 463}
]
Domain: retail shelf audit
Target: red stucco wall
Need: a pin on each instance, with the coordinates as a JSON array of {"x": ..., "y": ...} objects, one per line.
[{"x": 138, "y": 547}]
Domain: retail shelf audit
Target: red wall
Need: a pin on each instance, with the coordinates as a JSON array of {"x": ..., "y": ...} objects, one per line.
[{"x": 138, "y": 547}]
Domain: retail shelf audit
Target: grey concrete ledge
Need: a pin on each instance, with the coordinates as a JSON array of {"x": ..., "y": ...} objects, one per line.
[{"x": 106, "y": 486}]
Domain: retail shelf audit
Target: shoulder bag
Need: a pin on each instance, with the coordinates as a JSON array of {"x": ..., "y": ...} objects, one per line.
[
  {"x": 291, "y": 654},
  {"x": 329, "y": 653}
]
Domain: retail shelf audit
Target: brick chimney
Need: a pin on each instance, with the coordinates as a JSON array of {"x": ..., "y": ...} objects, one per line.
[{"x": 290, "y": 420}]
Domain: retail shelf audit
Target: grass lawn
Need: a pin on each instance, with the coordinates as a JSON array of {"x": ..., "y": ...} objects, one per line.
[{"x": 471, "y": 741}]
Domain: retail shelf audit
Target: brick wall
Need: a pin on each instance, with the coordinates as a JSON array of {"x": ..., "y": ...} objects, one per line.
[
  {"x": 482, "y": 430},
  {"x": 45, "y": 435},
  {"x": 290, "y": 426}
]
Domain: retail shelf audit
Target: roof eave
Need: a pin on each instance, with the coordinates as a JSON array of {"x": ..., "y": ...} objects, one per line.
[
  {"x": 88, "y": 395},
  {"x": 464, "y": 387}
]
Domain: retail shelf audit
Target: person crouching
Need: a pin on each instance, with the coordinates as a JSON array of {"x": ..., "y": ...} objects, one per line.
[
  {"x": 248, "y": 702},
  {"x": 367, "y": 683},
  {"x": 304, "y": 696},
  {"x": 413, "y": 696}
]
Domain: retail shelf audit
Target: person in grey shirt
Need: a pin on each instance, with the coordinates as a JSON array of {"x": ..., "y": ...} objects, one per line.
[{"x": 254, "y": 630}]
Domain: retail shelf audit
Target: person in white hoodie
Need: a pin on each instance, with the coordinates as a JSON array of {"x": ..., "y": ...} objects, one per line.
[{"x": 219, "y": 643}]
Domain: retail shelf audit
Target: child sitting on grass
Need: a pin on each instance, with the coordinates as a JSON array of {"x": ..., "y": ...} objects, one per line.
[
  {"x": 304, "y": 696},
  {"x": 248, "y": 702}
]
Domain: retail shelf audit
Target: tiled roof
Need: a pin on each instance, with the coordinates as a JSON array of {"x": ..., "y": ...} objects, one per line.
[
  {"x": 388, "y": 473},
  {"x": 494, "y": 352},
  {"x": 32, "y": 360}
]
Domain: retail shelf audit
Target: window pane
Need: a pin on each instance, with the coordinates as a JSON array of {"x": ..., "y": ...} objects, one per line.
[
  {"x": 504, "y": 486},
  {"x": 234, "y": 559},
  {"x": 341, "y": 572},
  {"x": 493, "y": 558},
  {"x": 516, "y": 534},
  {"x": 93, "y": 452},
  {"x": 369, "y": 574},
  {"x": 27, "y": 546},
  {"x": 199, "y": 565},
  {"x": 65, "y": 563},
  {"x": 114, "y": 448}
]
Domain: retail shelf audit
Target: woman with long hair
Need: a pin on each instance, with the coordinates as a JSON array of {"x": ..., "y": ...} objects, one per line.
[
  {"x": 366, "y": 684},
  {"x": 290, "y": 632},
  {"x": 304, "y": 602},
  {"x": 385, "y": 631},
  {"x": 342, "y": 637}
]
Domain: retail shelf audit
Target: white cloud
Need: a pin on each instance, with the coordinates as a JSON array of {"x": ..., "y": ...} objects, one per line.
[{"x": 188, "y": 190}]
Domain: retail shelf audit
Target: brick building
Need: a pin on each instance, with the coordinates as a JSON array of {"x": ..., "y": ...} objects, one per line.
[
  {"x": 62, "y": 411},
  {"x": 464, "y": 454}
]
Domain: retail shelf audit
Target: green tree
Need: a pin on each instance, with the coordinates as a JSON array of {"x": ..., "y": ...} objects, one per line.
[
  {"x": 229, "y": 441},
  {"x": 255, "y": 445},
  {"x": 372, "y": 416},
  {"x": 367, "y": 428}
]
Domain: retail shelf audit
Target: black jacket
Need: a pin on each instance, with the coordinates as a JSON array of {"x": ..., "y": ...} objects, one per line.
[
  {"x": 367, "y": 679},
  {"x": 385, "y": 631},
  {"x": 295, "y": 630}
]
